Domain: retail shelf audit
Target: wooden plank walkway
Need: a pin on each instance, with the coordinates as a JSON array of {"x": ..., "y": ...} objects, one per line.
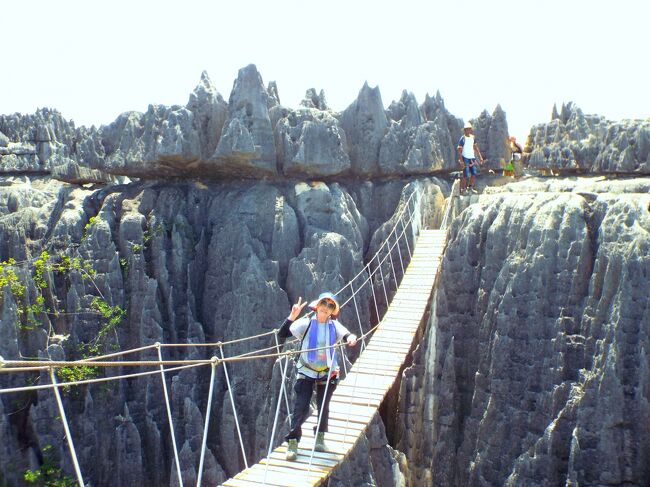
[{"x": 356, "y": 399}]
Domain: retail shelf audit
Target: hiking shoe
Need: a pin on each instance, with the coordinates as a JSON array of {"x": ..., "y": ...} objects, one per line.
[
  {"x": 292, "y": 450},
  {"x": 320, "y": 442}
]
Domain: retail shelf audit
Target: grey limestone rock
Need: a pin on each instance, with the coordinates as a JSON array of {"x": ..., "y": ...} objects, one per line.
[
  {"x": 365, "y": 124},
  {"x": 274, "y": 97},
  {"x": 163, "y": 141},
  {"x": 314, "y": 100},
  {"x": 577, "y": 142},
  {"x": 210, "y": 113},
  {"x": 45, "y": 143},
  {"x": 247, "y": 143},
  {"x": 491, "y": 133},
  {"x": 410, "y": 146},
  {"x": 534, "y": 366},
  {"x": 311, "y": 143}
]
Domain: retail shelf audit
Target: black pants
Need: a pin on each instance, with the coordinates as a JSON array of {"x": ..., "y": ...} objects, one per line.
[{"x": 304, "y": 388}]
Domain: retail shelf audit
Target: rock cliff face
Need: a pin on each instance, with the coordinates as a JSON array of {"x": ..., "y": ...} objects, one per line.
[
  {"x": 534, "y": 369},
  {"x": 492, "y": 137},
  {"x": 534, "y": 366},
  {"x": 250, "y": 136},
  {"x": 575, "y": 142},
  {"x": 189, "y": 263}
]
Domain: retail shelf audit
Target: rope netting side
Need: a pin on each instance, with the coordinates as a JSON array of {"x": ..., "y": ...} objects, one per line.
[{"x": 406, "y": 218}]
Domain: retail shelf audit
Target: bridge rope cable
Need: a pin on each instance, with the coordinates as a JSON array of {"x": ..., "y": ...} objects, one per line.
[
  {"x": 282, "y": 370},
  {"x": 321, "y": 408},
  {"x": 100, "y": 360},
  {"x": 32, "y": 364},
  {"x": 208, "y": 407},
  {"x": 66, "y": 428},
  {"x": 169, "y": 417},
  {"x": 277, "y": 413},
  {"x": 385, "y": 242},
  {"x": 234, "y": 408}
]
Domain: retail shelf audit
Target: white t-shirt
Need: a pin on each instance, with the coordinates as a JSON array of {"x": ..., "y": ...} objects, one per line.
[{"x": 468, "y": 146}]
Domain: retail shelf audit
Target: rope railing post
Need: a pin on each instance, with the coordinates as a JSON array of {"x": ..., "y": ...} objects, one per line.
[
  {"x": 234, "y": 408},
  {"x": 399, "y": 252},
  {"x": 407, "y": 215},
  {"x": 66, "y": 428},
  {"x": 277, "y": 413},
  {"x": 389, "y": 249},
  {"x": 383, "y": 283},
  {"x": 286, "y": 398},
  {"x": 213, "y": 366},
  {"x": 169, "y": 416},
  {"x": 374, "y": 297},
  {"x": 406, "y": 237},
  {"x": 356, "y": 308}
]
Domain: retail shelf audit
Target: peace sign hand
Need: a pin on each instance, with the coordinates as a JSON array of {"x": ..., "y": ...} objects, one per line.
[{"x": 297, "y": 308}]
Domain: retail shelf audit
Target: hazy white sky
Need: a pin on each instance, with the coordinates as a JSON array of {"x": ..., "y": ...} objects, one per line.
[{"x": 93, "y": 60}]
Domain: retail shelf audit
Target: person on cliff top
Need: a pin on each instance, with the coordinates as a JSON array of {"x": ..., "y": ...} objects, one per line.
[
  {"x": 514, "y": 167},
  {"x": 467, "y": 152},
  {"x": 318, "y": 333}
]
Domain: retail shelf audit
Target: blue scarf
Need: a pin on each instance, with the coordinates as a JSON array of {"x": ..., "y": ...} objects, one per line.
[{"x": 313, "y": 338}]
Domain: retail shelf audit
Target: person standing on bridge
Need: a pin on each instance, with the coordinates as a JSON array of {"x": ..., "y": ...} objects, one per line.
[{"x": 316, "y": 364}]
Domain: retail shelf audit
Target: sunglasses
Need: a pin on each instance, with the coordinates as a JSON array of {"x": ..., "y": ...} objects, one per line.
[{"x": 330, "y": 305}]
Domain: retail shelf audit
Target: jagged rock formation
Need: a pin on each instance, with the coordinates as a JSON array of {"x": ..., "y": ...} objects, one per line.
[
  {"x": 534, "y": 370},
  {"x": 411, "y": 145},
  {"x": 575, "y": 142},
  {"x": 534, "y": 367},
  {"x": 189, "y": 263},
  {"x": 492, "y": 137},
  {"x": 46, "y": 143},
  {"x": 311, "y": 143},
  {"x": 251, "y": 136}
]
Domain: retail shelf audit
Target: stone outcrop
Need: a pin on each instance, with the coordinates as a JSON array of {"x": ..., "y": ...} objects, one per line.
[
  {"x": 250, "y": 136},
  {"x": 46, "y": 143},
  {"x": 315, "y": 100},
  {"x": 247, "y": 140},
  {"x": 534, "y": 369},
  {"x": 411, "y": 145},
  {"x": 311, "y": 143},
  {"x": 365, "y": 124},
  {"x": 189, "y": 263},
  {"x": 576, "y": 142},
  {"x": 491, "y": 133}
]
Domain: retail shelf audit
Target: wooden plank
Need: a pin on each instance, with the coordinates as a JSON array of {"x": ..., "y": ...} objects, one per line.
[
  {"x": 307, "y": 444},
  {"x": 356, "y": 398},
  {"x": 234, "y": 482},
  {"x": 337, "y": 423},
  {"x": 392, "y": 337},
  {"x": 359, "y": 400},
  {"x": 388, "y": 347},
  {"x": 287, "y": 477},
  {"x": 370, "y": 356},
  {"x": 316, "y": 473},
  {"x": 377, "y": 363},
  {"x": 300, "y": 461},
  {"x": 302, "y": 452},
  {"x": 347, "y": 430}
]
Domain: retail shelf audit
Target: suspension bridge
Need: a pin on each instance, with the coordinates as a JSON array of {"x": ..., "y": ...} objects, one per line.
[{"x": 408, "y": 260}]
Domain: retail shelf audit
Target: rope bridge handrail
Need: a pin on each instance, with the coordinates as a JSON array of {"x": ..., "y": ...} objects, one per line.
[{"x": 404, "y": 218}]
